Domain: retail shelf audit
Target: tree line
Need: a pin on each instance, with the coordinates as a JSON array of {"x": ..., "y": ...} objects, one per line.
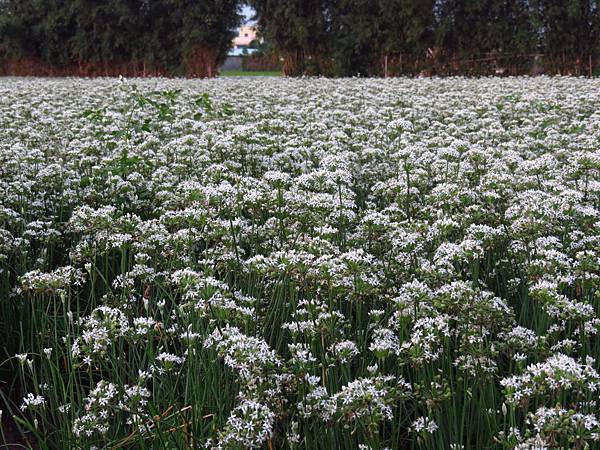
[
  {"x": 112, "y": 37},
  {"x": 378, "y": 37},
  {"x": 311, "y": 37}
]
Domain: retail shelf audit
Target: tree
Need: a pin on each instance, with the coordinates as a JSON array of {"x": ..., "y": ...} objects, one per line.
[
  {"x": 368, "y": 33},
  {"x": 112, "y": 37},
  {"x": 20, "y": 34},
  {"x": 205, "y": 32},
  {"x": 407, "y": 30},
  {"x": 299, "y": 32},
  {"x": 478, "y": 34},
  {"x": 567, "y": 32},
  {"x": 104, "y": 36}
]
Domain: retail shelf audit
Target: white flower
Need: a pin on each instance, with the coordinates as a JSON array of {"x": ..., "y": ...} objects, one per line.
[
  {"x": 424, "y": 425},
  {"x": 31, "y": 401}
]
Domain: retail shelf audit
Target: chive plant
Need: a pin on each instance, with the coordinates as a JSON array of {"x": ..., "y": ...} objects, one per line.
[{"x": 281, "y": 263}]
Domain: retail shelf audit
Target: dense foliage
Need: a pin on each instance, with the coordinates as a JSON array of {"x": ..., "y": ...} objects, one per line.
[
  {"x": 374, "y": 37},
  {"x": 88, "y": 37},
  {"x": 301, "y": 263},
  {"x": 313, "y": 37}
]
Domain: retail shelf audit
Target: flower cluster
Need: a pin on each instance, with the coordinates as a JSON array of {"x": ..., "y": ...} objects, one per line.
[{"x": 307, "y": 263}]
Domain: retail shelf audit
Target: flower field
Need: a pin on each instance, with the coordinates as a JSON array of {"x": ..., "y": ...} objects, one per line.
[{"x": 302, "y": 264}]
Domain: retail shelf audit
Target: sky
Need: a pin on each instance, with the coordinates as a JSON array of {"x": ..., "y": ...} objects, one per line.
[{"x": 248, "y": 12}]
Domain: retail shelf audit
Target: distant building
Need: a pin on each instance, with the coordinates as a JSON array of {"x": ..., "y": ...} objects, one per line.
[
  {"x": 246, "y": 34},
  {"x": 241, "y": 48}
]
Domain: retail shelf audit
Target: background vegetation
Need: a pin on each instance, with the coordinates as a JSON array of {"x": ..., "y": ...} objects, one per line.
[
  {"x": 313, "y": 37},
  {"x": 116, "y": 37},
  {"x": 349, "y": 37}
]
